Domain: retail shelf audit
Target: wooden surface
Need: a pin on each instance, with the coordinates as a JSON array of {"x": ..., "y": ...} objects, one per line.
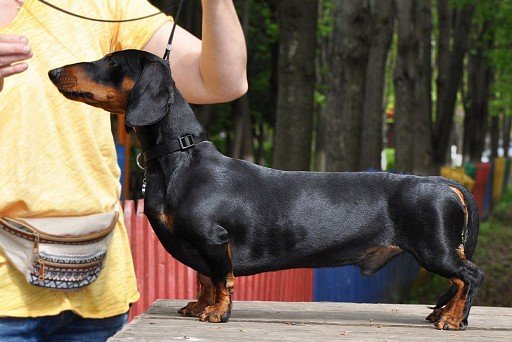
[{"x": 280, "y": 321}]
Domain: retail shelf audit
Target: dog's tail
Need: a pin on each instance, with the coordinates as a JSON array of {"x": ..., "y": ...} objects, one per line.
[
  {"x": 469, "y": 234},
  {"x": 472, "y": 226}
]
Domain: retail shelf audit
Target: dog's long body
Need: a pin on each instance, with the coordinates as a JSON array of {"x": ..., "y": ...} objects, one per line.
[{"x": 226, "y": 217}]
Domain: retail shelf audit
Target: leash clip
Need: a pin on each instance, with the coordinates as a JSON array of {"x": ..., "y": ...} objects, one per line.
[
  {"x": 143, "y": 189},
  {"x": 139, "y": 163}
]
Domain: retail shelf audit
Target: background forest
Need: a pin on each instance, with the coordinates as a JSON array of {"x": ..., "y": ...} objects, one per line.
[{"x": 332, "y": 83}]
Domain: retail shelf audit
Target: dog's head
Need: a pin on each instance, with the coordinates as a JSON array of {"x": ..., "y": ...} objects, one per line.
[{"x": 131, "y": 82}]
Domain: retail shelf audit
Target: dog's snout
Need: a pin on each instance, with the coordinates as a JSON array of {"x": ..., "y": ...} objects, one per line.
[{"x": 54, "y": 74}]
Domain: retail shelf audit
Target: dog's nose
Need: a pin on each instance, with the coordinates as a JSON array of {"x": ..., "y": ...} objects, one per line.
[{"x": 54, "y": 74}]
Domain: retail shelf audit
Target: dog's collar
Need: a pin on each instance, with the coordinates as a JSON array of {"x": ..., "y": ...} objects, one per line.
[{"x": 180, "y": 144}]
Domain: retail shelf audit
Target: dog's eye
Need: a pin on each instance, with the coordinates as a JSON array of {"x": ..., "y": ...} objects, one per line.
[{"x": 111, "y": 62}]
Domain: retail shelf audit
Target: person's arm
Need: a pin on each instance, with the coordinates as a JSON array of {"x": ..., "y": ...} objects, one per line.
[
  {"x": 13, "y": 50},
  {"x": 212, "y": 70}
]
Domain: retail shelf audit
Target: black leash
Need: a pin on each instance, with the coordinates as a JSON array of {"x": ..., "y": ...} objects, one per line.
[
  {"x": 180, "y": 144},
  {"x": 167, "y": 49},
  {"x": 105, "y": 20}
]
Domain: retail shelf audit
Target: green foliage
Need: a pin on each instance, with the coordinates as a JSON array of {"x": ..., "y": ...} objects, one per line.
[
  {"x": 497, "y": 14},
  {"x": 319, "y": 98},
  {"x": 326, "y": 18}
]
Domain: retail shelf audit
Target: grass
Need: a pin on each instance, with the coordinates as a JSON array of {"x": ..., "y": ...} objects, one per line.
[{"x": 492, "y": 255}]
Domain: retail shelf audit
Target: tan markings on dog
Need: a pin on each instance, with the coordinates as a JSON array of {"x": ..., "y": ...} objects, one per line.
[
  {"x": 375, "y": 257},
  {"x": 434, "y": 316},
  {"x": 230, "y": 283},
  {"x": 464, "y": 206},
  {"x": 452, "y": 315},
  {"x": 460, "y": 252},
  {"x": 221, "y": 309},
  {"x": 205, "y": 297},
  {"x": 230, "y": 278},
  {"x": 128, "y": 84},
  {"x": 167, "y": 220},
  {"x": 73, "y": 81}
]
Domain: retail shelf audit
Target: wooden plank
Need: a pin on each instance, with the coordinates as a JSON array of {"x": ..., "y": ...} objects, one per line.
[{"x": 280, "y": 321}]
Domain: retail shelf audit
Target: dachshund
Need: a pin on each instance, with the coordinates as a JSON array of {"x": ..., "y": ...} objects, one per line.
[{"x": 226, "y": 217}]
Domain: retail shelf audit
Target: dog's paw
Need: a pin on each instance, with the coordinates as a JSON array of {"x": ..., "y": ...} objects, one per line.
[
  {"x": 192, "y": 309},
  {"x": 217, "y": 313},
  {"x": 435, "y": 315},
  {"x": 450, "y": 322}
]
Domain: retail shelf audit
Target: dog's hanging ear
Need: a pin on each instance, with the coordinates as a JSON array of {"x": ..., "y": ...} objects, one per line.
[{"x": 151, "y": 95}]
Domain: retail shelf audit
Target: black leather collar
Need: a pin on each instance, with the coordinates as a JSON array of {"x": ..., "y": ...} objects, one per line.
[{"x": 182, "y": 143}]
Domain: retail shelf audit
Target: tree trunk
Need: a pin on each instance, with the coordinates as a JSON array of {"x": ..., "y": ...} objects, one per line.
[
  {"x": 422, "y": 117},
  {"x": 495, "y": 135},
  {"x": 382, "y": 25},
  {"x": 507, "y": 123},
  {"x": 477, "y": 99},
  {"x": 324, "y": 18},
  {"x": 242, "y": 143},
  {"x": 294, "y": 121},
  {"x": 242, "y": 146},
  {"x": 450, "y": 73},
  {"x": 347, "y": 48},
  {"x": 445, "y": 16},
  {"x": 412, "y": 97}
]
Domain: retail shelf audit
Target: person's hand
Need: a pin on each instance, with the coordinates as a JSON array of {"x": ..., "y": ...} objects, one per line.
[{"x": 13, "y": 50}]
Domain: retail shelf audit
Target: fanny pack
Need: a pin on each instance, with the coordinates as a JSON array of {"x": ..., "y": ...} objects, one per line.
[{"x": 65, "y": 253}]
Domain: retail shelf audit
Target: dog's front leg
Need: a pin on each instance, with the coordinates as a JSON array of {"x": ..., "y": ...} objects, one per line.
[
  {"x": 221, "y": 310},
  {"x": 216, "y": 250},
  {"x": 205, "y": 297}
]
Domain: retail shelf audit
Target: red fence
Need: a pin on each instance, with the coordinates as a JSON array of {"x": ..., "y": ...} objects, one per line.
[{"x": 161, "y": 276}]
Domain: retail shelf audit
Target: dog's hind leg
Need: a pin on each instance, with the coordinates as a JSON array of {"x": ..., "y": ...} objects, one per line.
[
  {"x": 454, "y": 316},
  {"x": 205, "y": 297},
  {"x": 471, "y": 276},
  {"x": 466, "y": 278},
  {"x": 443, "y": 300}
]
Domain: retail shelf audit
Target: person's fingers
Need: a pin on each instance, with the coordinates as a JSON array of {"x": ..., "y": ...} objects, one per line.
[
  {"x": 14, "y": 49},
  {"x": 10, "y": 59},
  {"x": 13, "y": 38},
  {"x": 13, "y": 69}
]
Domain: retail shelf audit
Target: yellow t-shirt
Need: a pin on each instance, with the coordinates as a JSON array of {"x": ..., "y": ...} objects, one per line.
[{"x": 58, "y": 156}]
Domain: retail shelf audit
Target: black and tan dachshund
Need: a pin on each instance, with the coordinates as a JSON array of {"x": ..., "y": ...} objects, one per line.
[{"x": 226, "y": 217}]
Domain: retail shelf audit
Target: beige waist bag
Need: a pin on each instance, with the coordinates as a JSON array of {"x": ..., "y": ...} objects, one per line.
[{"x": 65, "y": 253}]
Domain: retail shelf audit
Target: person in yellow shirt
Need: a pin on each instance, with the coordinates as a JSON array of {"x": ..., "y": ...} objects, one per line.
[{"x": 58, "y": 156}]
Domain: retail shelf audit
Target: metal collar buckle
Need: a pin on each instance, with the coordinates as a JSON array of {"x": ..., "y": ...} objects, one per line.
[{"x": 186, "y": 141}]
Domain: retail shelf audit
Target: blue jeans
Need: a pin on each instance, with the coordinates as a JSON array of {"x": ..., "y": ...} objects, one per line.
[{"x": 66, "y": 326}]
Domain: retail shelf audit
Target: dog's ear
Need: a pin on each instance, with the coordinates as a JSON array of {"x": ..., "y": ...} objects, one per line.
[{"x": 151, "y": 95}]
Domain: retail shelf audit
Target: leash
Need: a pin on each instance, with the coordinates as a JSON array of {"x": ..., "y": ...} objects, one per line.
[
  {"x": 171, "y": 36},
  {"x": 60, "y": 9},
  {"x": 180, "y": 144}
]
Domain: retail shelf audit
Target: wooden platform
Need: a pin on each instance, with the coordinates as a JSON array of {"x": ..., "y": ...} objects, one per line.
[{"x": 318, "y": 322}]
